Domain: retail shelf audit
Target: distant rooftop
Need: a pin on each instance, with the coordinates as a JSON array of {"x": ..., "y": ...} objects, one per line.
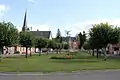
[
  {"x": 44, "y": 34},
  {"x": 67, "y": 38}
]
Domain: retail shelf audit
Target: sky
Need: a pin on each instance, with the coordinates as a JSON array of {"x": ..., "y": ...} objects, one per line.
[{"x": 73, "y": 15}]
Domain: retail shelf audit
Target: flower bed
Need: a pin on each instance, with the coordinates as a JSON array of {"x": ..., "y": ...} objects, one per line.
[{"x": 62, "y": 57}]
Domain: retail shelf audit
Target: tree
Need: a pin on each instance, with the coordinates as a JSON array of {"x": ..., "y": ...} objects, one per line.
[
  {"x": 82, "y": 38},
  {"x": 58, "y": 46},
  {"x": 8, "y": 35},
  {"x": 102, "y": 34},
  {"x": 65, "y": 46},
  {"x": 51, "y": 44},
  {"x": 58, "y": 36},
  {"x": 26, "y": 40},
  {"x": 40, "y": 43},
  {"x": 93, "y": 46},
  {"x": 86, "y": 45}
]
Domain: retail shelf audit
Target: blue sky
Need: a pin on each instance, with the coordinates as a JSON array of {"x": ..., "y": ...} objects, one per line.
[{"x": 74, "y": 15}]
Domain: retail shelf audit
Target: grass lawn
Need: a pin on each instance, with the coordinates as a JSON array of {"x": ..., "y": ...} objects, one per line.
[{"x": 44, "y": 64}]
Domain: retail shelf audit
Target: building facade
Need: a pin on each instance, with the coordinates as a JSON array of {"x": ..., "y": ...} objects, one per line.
[{"x": 114, "y": 49}]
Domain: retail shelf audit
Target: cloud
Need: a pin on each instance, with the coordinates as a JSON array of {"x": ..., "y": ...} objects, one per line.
[
  {"x": 86, "y": 25},
  {"x": 32, "y": 1},
  {"x": 3, "y": 9}
]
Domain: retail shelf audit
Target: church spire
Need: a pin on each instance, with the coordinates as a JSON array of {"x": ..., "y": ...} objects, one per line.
[{"x": 25, "y": 22}]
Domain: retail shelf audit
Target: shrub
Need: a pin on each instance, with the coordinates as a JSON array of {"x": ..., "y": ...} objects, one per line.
[{"x": 61, "y": 57}]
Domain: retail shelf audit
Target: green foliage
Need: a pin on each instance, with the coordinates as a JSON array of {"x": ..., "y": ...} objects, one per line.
[
  {"x": 102, "y": 34},
  {"x": 81, "y": 38},
  {"x": 13, "y": 35},
  {"x": 8, "y": 34},
  {"x": 51, "y": 44},
  {"x": 58, "y": 36},
  {"x": 66, "y": 46},
  {"x": 86, "y": 45},
  {"x": 26, "y": 39},
  {"x": 58, "y": 45},
  {"x": 41, "y": 43}
]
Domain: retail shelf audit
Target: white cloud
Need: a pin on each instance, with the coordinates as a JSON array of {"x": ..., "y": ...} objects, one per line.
[
  {"x": 3, "y": 9},
  {"x": 86, "y": 25},
  {"x": 32, "y": 1}
]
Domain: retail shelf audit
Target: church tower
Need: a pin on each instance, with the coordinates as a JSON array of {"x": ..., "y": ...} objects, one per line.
[{"x": 24, "y": 28}]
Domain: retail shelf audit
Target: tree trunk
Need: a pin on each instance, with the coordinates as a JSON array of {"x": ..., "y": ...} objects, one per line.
[
  {"x": 26, "y": 52},
  {"x": 30, "y": 52},
  {"x": 100, "y": 53},
  {"x": 105, "y": 54},
  {"x": 97, "y": 53},
  {"x": 1, "y": 53},
  {"x": 57, "y": 51},
  {"x": 47, "y": 51},
  {"x": 15, "y": 49},
  {"x": 40, "y": 52},
  {"x": 93, "y": 52},
  {"x": 35, "y": 49}
]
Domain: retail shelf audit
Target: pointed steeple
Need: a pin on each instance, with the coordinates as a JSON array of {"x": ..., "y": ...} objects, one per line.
[{"x": 25, "y": 22}]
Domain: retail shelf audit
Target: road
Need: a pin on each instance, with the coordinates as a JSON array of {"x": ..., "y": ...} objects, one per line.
[{"x": 86, "y": 75}]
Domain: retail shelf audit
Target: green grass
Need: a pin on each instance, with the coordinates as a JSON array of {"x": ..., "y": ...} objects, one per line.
[{"x": 43, "y": 63}]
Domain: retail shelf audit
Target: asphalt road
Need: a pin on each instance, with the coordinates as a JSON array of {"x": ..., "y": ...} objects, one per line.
[{"x": 87, "y": 75}]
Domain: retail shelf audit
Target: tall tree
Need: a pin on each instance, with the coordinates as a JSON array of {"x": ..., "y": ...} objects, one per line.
[
  {"x": 58, "y": 36},
  {"x": 9, "y": 35},
  {"x": 26, "y": 40},
  {"x": 102, "y": 34},
  {"x": 82, "y": 38}
]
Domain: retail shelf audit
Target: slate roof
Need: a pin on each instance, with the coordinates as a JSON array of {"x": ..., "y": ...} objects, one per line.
[
  {"x": 67, "y": 38},
  {"x": 44, "y": 34}
]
